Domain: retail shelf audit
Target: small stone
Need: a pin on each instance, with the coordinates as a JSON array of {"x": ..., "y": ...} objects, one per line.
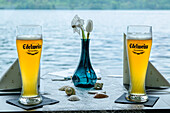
[
  {"x": 95, "y": 92},
  {"x": 70, "y": 91},
  {"x": 67, "y": 78},
  {"x": 45, "y": 93},
  {"x": 99, "y": 78},
  {"x": 63, "y": 88},
  {"x": 59, "y": 79},
  {"x": 101, "y": 95},
  {"x": 98, "y": 86},
  {"x": 73, "y": 98}
]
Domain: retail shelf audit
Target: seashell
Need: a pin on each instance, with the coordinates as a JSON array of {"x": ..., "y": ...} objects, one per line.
[
  {"x": 98, "y": 86},
  {"x": 70, "y": 91},
  {"x": 101, "y": 95},
  {"x": 63, "y": 88},
  {"x": 95, "y": 92},
  {"x": 73, "y": 98}
]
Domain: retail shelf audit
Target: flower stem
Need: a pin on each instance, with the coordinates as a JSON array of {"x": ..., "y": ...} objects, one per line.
[
  {"x": 83, "y": 35},
  {"x": 88, "y": 35}
]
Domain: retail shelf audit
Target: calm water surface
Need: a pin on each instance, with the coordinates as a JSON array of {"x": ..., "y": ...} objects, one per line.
[{"x": 61, "y": 48}]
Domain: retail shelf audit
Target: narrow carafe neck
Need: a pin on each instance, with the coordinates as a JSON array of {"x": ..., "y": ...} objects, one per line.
[{"x": 85, "y": 57}]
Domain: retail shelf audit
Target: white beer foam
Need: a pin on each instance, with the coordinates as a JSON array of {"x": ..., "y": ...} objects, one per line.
[
  {"x": 29, "y": 37},
  {"x": 139, "y": 36}
]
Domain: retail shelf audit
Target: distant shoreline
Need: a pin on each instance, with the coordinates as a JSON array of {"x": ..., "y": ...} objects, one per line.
[
  {"x": 85, "y": 4},
  {"x": 95, "y": 9}
]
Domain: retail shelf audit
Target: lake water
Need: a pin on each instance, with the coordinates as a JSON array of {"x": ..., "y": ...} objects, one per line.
[{"x": 61, "y": 48}]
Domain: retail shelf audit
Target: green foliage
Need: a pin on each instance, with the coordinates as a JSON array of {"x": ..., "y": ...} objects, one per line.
[{"x": 84, "y": 4}]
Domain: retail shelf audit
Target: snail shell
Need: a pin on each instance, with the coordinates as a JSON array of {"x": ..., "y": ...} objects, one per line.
[
  {"x": 98, "y": 86},
  {"x": 70, "y": 91}
]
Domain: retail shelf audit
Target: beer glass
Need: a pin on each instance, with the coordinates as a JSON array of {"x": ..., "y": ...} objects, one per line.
[
  {"x": 139, "y": 42},
  {"x": 29, "y": 45}
]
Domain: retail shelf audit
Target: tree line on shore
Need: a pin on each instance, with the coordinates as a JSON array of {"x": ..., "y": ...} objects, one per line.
[{"x": 86, "y": 4}]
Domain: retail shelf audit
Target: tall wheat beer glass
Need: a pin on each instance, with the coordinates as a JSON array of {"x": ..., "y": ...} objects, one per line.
[
  {"x": 139, "y": 42},
  {"x": 29, "y": 46}
]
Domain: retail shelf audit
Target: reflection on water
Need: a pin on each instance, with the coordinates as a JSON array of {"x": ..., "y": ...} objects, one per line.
[{"x": 61, "y": 48}]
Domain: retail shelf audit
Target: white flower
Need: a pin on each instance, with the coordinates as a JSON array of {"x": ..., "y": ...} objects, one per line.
[
  {"x": 89, "y": 26},
  {"x": 77, "y": 24}
]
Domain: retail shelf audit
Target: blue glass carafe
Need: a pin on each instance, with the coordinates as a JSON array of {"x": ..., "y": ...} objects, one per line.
[{"x": 84, "y": 75}]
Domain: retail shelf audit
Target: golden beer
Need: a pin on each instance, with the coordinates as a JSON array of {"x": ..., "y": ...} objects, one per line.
[
  {"x": 138, "y": 55},
  {"x": 29, "y": 53},
  {"x": 138, "y": 43},
  {"x": 29, "y": 47}
]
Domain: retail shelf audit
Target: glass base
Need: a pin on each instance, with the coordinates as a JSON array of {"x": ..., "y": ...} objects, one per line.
[
  {"x": 137, "y": 98},
  {"x": 84, "y": 85},
  {"x": 30, "y": 100}
]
